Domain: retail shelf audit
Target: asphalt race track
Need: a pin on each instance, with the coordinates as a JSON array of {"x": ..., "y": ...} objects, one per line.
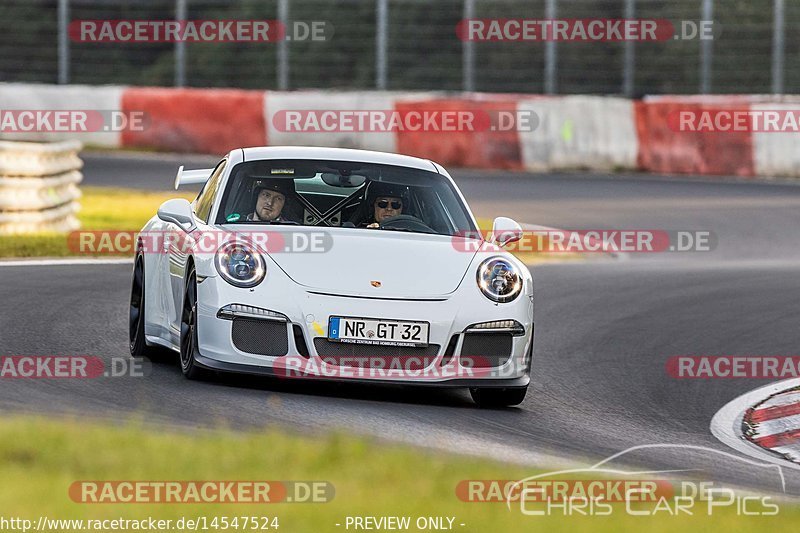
[{"x": 604, "y": 330}]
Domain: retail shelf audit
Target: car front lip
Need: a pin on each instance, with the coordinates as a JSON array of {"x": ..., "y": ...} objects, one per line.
[{"x": 269, "y": 371}]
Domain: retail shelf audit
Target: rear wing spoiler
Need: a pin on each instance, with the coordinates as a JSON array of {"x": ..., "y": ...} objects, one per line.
[{"x": 192, "y": 177}]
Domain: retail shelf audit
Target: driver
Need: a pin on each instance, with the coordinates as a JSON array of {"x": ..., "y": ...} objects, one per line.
[
  {"x": 385, "y": 207},
  {"x": 386, "y": 201},
  {"x": 270, "y": 198}
]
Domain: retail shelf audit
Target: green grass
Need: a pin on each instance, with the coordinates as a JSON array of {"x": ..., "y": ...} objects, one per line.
[
  {"x": 101, "y": 209},
  {"x": 41, "y": 458}
]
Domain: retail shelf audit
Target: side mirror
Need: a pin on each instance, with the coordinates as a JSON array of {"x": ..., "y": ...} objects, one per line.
[
  {"x": 177, "y": 211},
  {"x": 505, "y": 231}
]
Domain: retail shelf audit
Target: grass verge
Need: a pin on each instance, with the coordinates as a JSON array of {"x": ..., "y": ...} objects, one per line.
[
  {"x": 101, "y": 209},
  {"x": 41, "y": 458}
]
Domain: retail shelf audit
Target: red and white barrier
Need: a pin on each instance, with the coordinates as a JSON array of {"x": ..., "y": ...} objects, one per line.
[
  {"x": 589, "y": 132},
  {"x": 774, "y": 424},
  {"x": 570, "y": 132},
  {"x": 776, "y": 154},
  {"x": 38, "y": 96},
  {"x": 195, "y": 120},
  {"x": 482, "y": 145},
  {"x": 664, "y": 148}
]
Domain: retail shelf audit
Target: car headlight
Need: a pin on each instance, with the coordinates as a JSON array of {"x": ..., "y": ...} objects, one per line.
[
  {"x": 499, "y": 280},
  {"x": 239, "y": 264}
]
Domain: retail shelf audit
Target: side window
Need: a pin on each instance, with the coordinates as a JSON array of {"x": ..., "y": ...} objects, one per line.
[{"x": 205, "y": 200}]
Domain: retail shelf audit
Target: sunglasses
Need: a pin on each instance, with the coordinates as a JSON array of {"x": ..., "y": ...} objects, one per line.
[{"x": 383, "y": 204}]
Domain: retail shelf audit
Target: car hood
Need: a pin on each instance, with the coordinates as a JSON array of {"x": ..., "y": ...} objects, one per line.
[{"x": 381, "y": 264}]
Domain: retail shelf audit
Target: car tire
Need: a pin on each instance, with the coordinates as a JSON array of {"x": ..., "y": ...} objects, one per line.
[
  {"x": 188, "y": 363},
  {"x": 137, "y": 342},
  {"x": 505, "y": 397}
]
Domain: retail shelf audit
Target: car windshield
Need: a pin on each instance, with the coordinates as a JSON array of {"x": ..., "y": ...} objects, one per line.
[{"x": 343, "y": 194}]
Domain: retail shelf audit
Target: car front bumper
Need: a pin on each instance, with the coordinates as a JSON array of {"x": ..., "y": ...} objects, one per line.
[{"x": 306, "y": 323}]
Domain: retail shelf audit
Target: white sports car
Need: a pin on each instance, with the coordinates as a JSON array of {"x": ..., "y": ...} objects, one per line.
[{"x": 338, "y": 264}]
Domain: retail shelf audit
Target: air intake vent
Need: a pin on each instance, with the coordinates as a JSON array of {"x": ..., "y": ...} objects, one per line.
[
  {"x": 485, "y": 350},
  {"x": 261, "y": 337}
]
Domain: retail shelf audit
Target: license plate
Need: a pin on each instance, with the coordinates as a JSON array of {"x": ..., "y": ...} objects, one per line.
[{"x": 378, "y": 331}]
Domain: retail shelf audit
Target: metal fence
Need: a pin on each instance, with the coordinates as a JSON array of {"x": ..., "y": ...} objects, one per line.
[{"x": 412, "y": 45}]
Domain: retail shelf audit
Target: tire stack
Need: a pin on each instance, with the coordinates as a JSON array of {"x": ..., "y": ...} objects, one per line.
[{"x": 39, "y": 187}]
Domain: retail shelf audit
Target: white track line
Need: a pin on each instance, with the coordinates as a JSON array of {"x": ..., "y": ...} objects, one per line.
[
  {"x": 792, "y": 451},
  {"x": 65, "y": 262},
  {"x": 727, "y": 423}
]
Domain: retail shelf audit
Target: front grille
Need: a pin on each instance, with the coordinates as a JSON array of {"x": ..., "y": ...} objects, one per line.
[
  {"x": 375, "y": 355},
  {"x": 486, "y": 350},
  {"x": 261, "y": 337}
]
